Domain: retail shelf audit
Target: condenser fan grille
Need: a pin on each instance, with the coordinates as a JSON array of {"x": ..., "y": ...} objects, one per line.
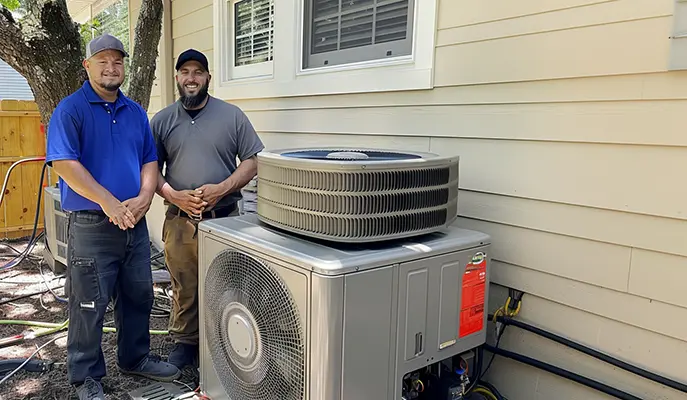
[
  {"x": 354, "y": 203},
  {"x": 354, "y": 195},
  {"x": 355, "y": 181},
  {"x": 346, "y": 228},
  {"x": 253, "y": 330}
]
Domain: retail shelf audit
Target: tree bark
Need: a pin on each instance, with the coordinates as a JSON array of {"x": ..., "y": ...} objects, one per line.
[
  {"x": 146, "y": 40},
  {"x": 45, "y": 48}
]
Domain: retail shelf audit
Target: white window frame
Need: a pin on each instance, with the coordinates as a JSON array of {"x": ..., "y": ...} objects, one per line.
[
  {"x": 287, "y": 77},
  {"x": 677, "y": 59},
  {"x": 228, "y": 72}
]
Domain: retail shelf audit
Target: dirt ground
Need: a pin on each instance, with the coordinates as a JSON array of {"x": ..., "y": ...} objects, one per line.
[{"x": 52, "y": 385}]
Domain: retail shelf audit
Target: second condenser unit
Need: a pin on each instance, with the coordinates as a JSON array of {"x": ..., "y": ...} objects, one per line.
[{"x": 351, "y": 279}]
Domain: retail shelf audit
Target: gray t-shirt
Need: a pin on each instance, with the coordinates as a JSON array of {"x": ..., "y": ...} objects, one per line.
[{"x": 203, "y": 149}]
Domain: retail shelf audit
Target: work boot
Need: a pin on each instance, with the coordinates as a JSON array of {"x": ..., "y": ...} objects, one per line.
[
  {"x": 153, "y": 368},
  {"x": 183, "y": 354},
  {"x": 90, "y": 390}
]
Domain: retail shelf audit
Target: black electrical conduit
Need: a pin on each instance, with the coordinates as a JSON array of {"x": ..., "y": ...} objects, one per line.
[
  {"x": 562, "y": 373},
  {"x": 594, "y": 353}
]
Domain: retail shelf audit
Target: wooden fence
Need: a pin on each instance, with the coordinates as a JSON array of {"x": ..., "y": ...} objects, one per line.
[{"x": 20, "y": 137}]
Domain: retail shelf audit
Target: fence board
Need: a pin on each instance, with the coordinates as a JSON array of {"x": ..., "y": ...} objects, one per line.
[
  {"x": 31, "y": 172},
  {"x": 20, "y": 137}
]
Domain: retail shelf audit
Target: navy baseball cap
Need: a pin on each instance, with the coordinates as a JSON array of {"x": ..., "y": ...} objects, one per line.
[
  {"x": 104, "y": 42},
  {"x": 192, "y": 55}
]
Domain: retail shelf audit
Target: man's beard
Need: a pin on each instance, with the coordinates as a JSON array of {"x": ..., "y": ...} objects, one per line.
[
  {"x": 193, "y": 101},
  {"x": 110, "y": 87}
]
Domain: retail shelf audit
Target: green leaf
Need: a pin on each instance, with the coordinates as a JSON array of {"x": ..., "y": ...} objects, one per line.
[{"x": 10, "y": 4}]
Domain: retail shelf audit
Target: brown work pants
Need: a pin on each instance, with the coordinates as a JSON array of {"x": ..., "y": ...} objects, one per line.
[{"x": 181, "y": 255}]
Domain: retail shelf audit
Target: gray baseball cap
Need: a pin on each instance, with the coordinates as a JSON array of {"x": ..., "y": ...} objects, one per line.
[{"x": 104, "y": 42}]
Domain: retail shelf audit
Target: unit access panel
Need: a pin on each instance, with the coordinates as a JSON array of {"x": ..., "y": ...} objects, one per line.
[{"x": 441, "y": 307}]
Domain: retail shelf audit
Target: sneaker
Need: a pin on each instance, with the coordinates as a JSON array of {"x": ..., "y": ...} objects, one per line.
[
  {"x": 90, "y": 390},
  {"x": 153, "y": 368},
  {"x": 183, "y": 354}
]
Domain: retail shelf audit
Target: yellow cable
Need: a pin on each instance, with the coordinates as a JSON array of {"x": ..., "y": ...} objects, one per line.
[
  {"x": 489, "y": 395},
  {"x": 507, "y": 306},
  {"x": 517, "y": 309},
  {"x": 498, "y": 313}
]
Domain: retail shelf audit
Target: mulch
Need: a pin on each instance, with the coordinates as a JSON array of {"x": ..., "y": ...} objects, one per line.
[{"x": 53, "y": 385}]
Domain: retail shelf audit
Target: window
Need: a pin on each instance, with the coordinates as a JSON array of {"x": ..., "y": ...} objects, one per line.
[
  {"x": 269, "y": 48},
  {"x": 347, "y": 31},
  {"x": 252, "y": 35},
  {"x": 678, "y": 39}
]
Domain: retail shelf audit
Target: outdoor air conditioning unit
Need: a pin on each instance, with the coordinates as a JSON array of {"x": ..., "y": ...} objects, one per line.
[
  {"x": 357, "y": 195},
  {"x": 288, "y": 315},
  {"x": 56, "y": 224}
]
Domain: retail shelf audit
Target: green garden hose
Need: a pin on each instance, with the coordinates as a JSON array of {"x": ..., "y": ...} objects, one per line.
[{"x": 56, "y": 327}]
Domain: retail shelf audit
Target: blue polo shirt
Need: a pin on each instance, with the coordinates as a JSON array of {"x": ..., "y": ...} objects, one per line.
[{"x": 111, "y": 140}]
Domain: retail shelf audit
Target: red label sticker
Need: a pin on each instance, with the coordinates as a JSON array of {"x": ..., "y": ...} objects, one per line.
[{"x": 473, "y": 291}]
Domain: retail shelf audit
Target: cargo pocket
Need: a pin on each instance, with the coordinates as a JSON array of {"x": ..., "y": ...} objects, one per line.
[{"x": 84, "y": 283}]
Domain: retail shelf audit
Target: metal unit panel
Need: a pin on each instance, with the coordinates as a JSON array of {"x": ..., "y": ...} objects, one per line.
[
  {"x": 209, "y": 381},
  {"x": 449, "y": 297},
  {"x": 429, "y": 311},
  {"x": 298, "y": 284},
  {"x": 362, "y": 315},
  {"x": 56, "y": 225},
  {"x": 392, "y": 384},
  {"x": 366, "y": 331},
  {"x": 415, "y": 325},
  {"x": 414, "y": 289},
  {"x": 446, "y": 343},
  {"x": 329, "y": 258},
  {"x": 326, "y": 337}
]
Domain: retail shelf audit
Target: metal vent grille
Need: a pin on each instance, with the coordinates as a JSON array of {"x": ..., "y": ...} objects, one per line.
[
  {"x": 61, "y": 228},
  {"x": 356, "y": 181},
  {"x": 355, "y": 204},
  {"x": 254, "y": 331},
  {"x": 156, "y": 391},
  {"x": 357, "y": 195}
]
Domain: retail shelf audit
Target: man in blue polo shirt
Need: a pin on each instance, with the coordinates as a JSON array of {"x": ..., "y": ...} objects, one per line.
[{"x": 100, "y": 144}]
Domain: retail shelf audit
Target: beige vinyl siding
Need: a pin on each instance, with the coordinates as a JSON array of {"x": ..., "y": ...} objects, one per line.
[
  {"x": 192, "y": 28},
  {"x": 572, "y": 150}
]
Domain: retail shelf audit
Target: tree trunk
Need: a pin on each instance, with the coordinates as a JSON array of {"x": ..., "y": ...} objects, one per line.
[
  {"x": 146, "y": 40},
  {"x": 45, "y": 48}
]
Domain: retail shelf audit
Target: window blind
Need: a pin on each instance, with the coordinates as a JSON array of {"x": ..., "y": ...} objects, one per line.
[
  {"x": 347, "y": 24},
  {"x": 253, "y": 31}
]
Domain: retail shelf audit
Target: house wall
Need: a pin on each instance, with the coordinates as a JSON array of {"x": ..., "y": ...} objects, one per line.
[
  {"x": 569, "y": 133},
  {"x": 161, "y": 94},
  {"x": 14, "y": 85}
]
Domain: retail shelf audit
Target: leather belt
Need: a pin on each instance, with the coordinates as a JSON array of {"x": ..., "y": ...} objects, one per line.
[
  {"x": 215, "y": 213},
  {"x": 91, "y": 212}
]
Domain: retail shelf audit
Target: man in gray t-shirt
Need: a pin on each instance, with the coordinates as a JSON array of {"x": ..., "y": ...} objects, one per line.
[{"x": 199, "y": 138}]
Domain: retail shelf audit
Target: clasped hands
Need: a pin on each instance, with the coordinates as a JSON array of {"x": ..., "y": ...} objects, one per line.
[
  {"x": 128, "y": 213},
  {"x": 195, "y": 202}
]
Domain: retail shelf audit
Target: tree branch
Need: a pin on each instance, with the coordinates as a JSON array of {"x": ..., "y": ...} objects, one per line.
[
  {"x": 12, "y": 45},
  {"x": 146, "y": 39},
  {"x": 45, "y": 47}
]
